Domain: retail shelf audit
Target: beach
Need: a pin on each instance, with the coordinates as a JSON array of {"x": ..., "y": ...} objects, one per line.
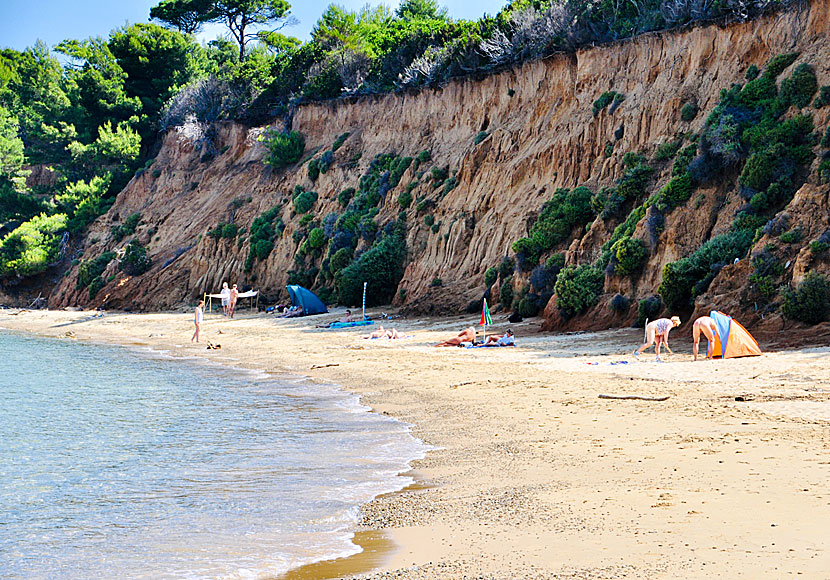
[{"x": 534, "y": 475}]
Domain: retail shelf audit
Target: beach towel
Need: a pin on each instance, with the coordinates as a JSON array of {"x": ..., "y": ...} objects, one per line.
[
  {"x": 351, "y": 324},
  {"x": 493, "y": 346}
]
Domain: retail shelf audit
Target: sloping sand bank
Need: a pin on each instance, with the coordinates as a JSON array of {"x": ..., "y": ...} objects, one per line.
[{"x": 535, "y": 476}]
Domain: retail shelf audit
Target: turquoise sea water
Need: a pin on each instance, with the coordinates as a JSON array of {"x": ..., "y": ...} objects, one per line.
[{"x": 122, "y": 464}]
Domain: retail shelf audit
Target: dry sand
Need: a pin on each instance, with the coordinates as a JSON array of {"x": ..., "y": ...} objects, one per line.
[{"x": 534, "y": 475}]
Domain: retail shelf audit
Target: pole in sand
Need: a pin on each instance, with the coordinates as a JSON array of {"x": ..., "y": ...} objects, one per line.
[{"x": 364, "y": 301}]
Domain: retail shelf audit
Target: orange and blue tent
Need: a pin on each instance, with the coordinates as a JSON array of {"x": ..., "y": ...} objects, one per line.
[{"x": 731, "y": 338}]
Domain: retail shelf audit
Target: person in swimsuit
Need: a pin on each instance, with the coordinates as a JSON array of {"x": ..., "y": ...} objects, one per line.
[
  {"x": 466, "y": 335},
  {"x": 234, "y": 296},
  {"x": 658, "y": 330},
  {"x": 198, "y": 320},
  {"x": 505, "y": 339},
  {"x": 226, "y": 297},
  {"x": 707, "y": 326}
]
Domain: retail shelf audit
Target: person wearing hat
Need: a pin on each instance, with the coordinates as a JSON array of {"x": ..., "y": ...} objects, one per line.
[{"x": 658, "y": 330}]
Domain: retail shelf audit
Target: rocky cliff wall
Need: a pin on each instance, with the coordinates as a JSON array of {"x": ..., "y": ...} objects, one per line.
[{"x": 541, "y": 135}]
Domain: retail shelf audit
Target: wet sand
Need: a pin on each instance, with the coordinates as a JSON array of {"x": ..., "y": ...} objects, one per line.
[{"x": 534, "y": 475}]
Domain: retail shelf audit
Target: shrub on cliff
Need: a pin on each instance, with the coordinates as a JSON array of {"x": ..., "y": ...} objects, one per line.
[
  {"x": 283, "y": 148},
  {"x": 89, "y": 270},
  {"x": 648, "y": 309},
  {"x": 506, "y": 293},
  {"x": 799, "y": 89},
  {"x": 607, "y": 98},
  {"x": 629, "y": 254},
  {"x": 689, "y": 111},
  {"x": 490, "y": 276},
  {"x": 264, "y": 230},
  {"x": 304, "y": 201},
  {"x": 33, "y": 246},
  {"x": 135, "y": 260},
  {"x": 577, "y": 289},
  {"x": 381, "y": 266},
  {"x": 128, "y": 228},
  {"x": 810, "y": 302}
]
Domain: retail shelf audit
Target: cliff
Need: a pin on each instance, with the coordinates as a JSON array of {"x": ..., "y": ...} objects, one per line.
[{"x": 536, "y": 133}]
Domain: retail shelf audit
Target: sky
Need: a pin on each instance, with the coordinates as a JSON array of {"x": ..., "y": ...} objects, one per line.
[{"x": 52, "y": 21}]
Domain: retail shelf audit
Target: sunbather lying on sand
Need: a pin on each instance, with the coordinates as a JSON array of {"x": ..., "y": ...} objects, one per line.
[
  {"x": 466, "y": 335},
  {"x": 376, "y": 334},
  {"x": 346, "y": 319},
  {"x": 505, "y": 339}
]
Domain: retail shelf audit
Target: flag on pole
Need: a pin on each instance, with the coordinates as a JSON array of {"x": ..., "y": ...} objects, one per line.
[{"x": 485, "y": 314}]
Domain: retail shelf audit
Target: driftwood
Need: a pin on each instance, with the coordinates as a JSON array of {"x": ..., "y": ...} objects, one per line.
[
  {"x": 637, "y": 397},
  {"x": 325, "y": 366}
]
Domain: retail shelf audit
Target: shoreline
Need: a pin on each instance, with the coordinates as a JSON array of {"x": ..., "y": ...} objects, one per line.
[{"x": 536, "y": 477}]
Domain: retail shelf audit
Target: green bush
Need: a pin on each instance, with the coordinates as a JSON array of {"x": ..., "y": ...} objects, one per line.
[
  {"x": 95, "y": 286},
  {"x": 648, "y": 308},
  {"x": 135, "y": 260},
  {"x": 89, "y": 270},
  {"x": 490, "y": 276},
  {"x": 304, "y": 201},
  {"x": 429, "y": 220},
  {"x": 675, "y": 193},
  {"x": 629, "y": 256},
  {"x": 818, "y": 247},
  {"x": 314, "y": 170},
  {"x": 506, "y": 267},
  {"x": 449, "y": 184},
  {"x": 345, "y": 196},
  {"x": 752, "y": 72},
  {"x": 620, "y": 304},
  {"x": 633, "y": 182},
  {"x": 127, "y": 228},
  {"x": 607, "y": 98},
  {"x": 33, "y": 246},
  {"x": 340, "y": 259},
  {"x": 666, "y": 151},
  {"x": 437, "y": 283},
  {"x": 578, "y": 288},
  {"x": 632, "y": 159},
  {"x": 381, "y": 267},
  {"x": 283, "y": 148},
  {"x": 317, "y": 238},
  {"x": 824, "y": 171},
  {"x": 690, "y": 276},
  {"x": 799, "y": 89},
  {"x": 224, "y": 230},
  {"x": 264, "y": 229},
  {"x": 792, "y": 236},
  {"x": 405, "y": 199},
  {"x": 439, "y": 175},
  {"x": 339, "y": 141},
  {"x": 481, "y": 136},
  {"x": 528, "y": 307},
  {"x": 689, "y": 111},
  {"x": 810, "y": 302},
  {"x": 823, "y": 98},
  {"x": 506, "y": 292}
]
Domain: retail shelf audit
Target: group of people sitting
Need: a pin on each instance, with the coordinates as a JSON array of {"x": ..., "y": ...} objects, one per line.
[{"x": 658, "y": 330}]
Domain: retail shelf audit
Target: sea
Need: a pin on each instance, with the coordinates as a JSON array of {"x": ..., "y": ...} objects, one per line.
[{"x": 132, "y": 464}]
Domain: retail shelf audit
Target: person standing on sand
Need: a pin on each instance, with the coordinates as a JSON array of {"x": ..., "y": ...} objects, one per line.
[
  {"x": 198, "y": 320},
  {"x": 234, "y": 296},
  {"x": 226, "y": 297},
  {"x": 707, "y": 326},
  {"x": 658, "y": 329}
]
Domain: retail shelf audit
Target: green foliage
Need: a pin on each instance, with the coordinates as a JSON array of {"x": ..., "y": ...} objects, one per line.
[
  {"x": 11, "y": 146},
  {"x": 284, "y": 148},
  {"x": 824, "y": 171},
  {"x": 648, "y": 309},
  {"x": 450, "y": 184},
  {"x": 818, "y": 247},
  {"x": 437, "y": 283},
  {"x": 629, "y": 256},
  {"x": 481, "y": 136},
  {"x": 689, "y": 111},
  {"x": 225, "y": 231},
  {"x": 264, "y": 230},
  {"x": 135, "y": 260},
  {"x": 632, "y": 159},
  {"x": 340, "y": 259},
  {"x": 558, "y": 216},
  {"x": 690, "y": 276},
  {"x": 317, "y": 238},
  {"x": 752, "y": 72},
  {"x": 381, "y": 267},
  {"x": 506, "y": 267},
  {"x": 799, "y": 89},
  {"x": 823, "y": 98},
  {"x": 429, "y": 220},
  {"x": 490, "y": 276},
  {"x": 128, "y": 228},
  {"x": 83, "y": 202},
  {"x": 810, "y": 302},
  {"x": 578, "y": 288},
  {"x": 313, "y": 169},
  {"x": 405, "y": 199},
  {"x": 792, "y": 236},
  {"x": 339, "y": 141},
  {"x": 345, "y": 196},
  {"x": 439, "y": 175},
  {"x": 423, "y": 157},
  {"x": 683, "y": 159},
  {"x": 675, "y": 193},
  {"x": 666, "y": 151},
  {"x": 825, "y": 140},
  {"x": 304, "y": 201},
  {"x": 612, "y": 98},
  {"x": 528, "y": 307},
  {"x": 16, "y": 205},
  {"x": 506, "y": 292},
  {"x": 89, "y": 270}
]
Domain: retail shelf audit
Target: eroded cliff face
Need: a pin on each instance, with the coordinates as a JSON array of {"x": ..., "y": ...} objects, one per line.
[{"x": 541, "y": 135}]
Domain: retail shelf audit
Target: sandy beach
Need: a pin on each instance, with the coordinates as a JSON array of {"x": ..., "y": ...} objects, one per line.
[{"x": 533, "y": 474}]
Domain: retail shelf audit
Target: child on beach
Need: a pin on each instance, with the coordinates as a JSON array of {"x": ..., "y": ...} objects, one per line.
[{"x": 198, "y": 320}]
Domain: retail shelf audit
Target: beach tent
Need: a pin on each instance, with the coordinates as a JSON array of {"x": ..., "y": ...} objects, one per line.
[
  {"x": 307, "y": 299},
  {"x": 731, "y": 339}
]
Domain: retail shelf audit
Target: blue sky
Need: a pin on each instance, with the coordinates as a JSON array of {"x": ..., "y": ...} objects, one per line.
[{"x": 55, "y": 20}]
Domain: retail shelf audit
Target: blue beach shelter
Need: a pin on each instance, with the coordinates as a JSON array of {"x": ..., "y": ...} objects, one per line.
[{"x": 307, "y": 299}]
